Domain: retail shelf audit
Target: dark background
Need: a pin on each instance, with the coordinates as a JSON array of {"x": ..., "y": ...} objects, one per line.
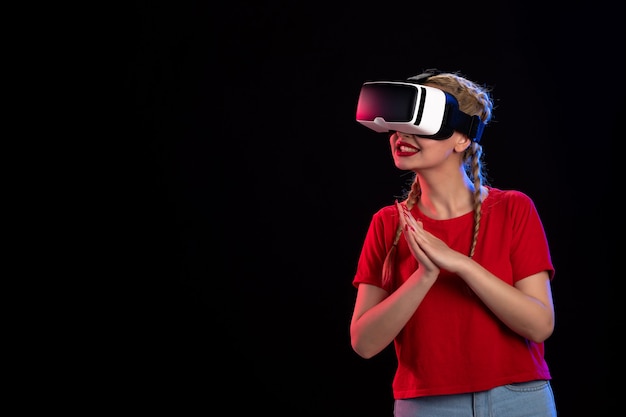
[{"x": 253, "y": 187}]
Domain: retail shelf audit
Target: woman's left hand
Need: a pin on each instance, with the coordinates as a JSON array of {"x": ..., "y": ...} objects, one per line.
[{"x": 434, "y": 248}]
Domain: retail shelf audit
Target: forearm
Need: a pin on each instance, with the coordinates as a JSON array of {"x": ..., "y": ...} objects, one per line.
[
  {"x": 529, "y": 316},
  {"x": 379, "y": 325}
]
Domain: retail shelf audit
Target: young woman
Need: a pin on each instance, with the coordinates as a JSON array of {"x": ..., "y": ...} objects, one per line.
[{"x": 458, "y": 274}]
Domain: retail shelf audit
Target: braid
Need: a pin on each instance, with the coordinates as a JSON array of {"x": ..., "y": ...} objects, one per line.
[
  {"x": 475, "y": 100},
  {"x": 411, "y": 200},
  {"x": 475, "y": 165}
]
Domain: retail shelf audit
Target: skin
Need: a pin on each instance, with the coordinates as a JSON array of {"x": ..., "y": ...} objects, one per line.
[{"x": 526, "y": 308}]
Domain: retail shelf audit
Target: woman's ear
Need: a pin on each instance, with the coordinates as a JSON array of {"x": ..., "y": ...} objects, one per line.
[{"x": 462, "y": 142}]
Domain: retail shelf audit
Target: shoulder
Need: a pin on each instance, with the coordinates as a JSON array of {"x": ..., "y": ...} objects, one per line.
[
  {"x": 510, "y": 197},
  {"x": 386, "y": 215},
  {"x": 514, "y": 202},
  {"x": 386, "y": 211}
]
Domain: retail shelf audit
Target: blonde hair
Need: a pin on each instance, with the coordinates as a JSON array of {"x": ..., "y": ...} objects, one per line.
[{"x": 473, "y": 99}]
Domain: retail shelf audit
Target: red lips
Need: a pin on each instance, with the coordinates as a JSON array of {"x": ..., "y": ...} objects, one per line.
[{"x": 405, "y": 149}]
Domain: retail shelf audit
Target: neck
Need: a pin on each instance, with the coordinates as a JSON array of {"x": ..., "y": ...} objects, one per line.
[{"x": 446, "y": 198}]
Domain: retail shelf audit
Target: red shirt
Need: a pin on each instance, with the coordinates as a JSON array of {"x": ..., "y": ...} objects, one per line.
[{"x": 453, "y": 343}]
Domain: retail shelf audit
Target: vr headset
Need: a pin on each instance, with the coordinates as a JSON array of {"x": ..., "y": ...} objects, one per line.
[{"x": 410, "y": 107}]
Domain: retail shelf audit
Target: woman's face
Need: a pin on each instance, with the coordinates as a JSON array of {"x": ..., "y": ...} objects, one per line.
[{"x": 411, "y": 152}]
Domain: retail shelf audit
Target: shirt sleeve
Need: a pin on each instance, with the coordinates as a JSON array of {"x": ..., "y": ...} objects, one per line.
[
  {"x": 530, "y": 251},
  {"x": 377, "y": 242}
]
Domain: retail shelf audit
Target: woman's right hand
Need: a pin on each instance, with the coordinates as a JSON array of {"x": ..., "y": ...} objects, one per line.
[{"x": 409, "y": 230}]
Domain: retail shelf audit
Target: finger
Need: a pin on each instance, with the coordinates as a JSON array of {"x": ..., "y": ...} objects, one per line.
[
  {"x": 405, "y": 209},
  {"x": 401, "y": 215},
  {"x": 410, "y": 219},
  {"x": 407, "y": 212}
]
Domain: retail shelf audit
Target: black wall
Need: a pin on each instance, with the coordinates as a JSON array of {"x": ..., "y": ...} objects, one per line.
[{"x": 254, "y": 187}]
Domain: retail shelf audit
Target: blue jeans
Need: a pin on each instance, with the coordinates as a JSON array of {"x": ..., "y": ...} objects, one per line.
[{"x": 525, "y": 399}]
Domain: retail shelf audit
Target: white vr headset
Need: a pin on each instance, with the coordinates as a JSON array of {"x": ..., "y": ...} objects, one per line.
[{"x": 410, "y": 107}]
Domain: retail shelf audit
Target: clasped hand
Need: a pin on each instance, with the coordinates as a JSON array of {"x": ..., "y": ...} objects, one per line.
[{"x": 431, "y": 252}]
